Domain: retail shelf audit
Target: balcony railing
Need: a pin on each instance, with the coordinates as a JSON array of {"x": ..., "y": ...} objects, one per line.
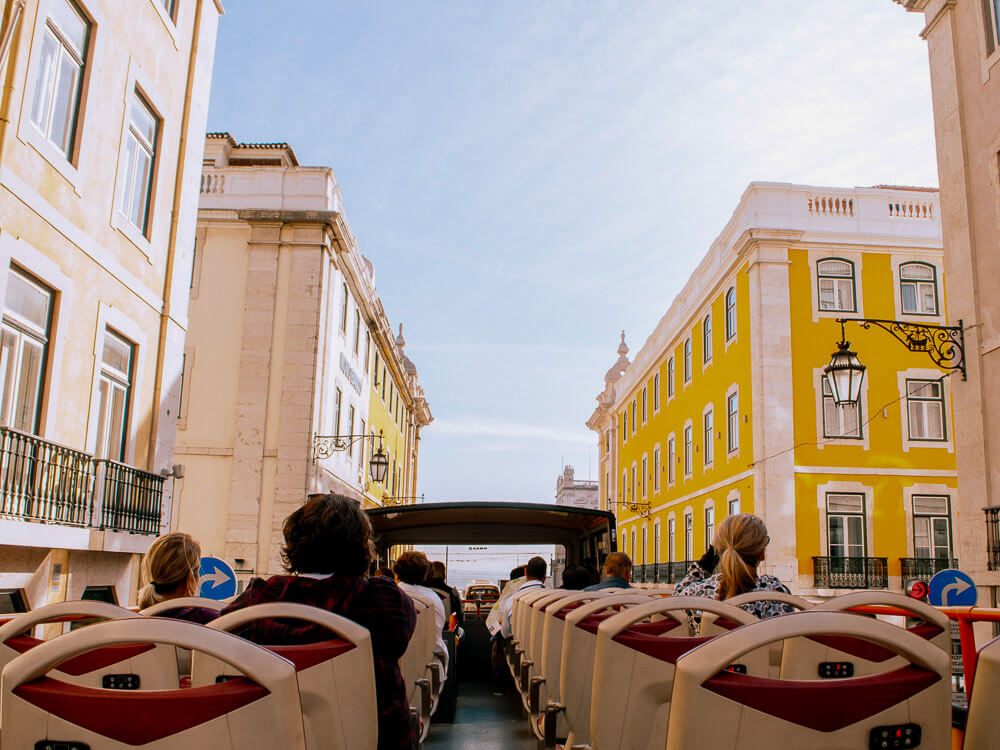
[
  {"x": 44, "y": 481},
  {"x": 924, "y": 568},
  {"x": 850, "y": 572},
  {"x": 992, "y": 537}
]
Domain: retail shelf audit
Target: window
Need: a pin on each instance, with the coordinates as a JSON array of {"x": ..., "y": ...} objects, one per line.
[
  {"x": 350, "y": 430},
  {"x": 709, "y": 437},
  {"x": 357, "y": 331},
  {"x": 734, "y": 506},
  {"x": 632, "y": 555},
  {"x": 368, "y": 347},
  {"x": 706, "y": 339},
  {"x": 645, "y": 536},
  {"x": 361, "y": 431},
  {"x": 625, "y": 542},
  {"x": 671, "y": 460},
  {"x": 61, "y": 63},
  {"x": 687, "y": 360},
  {"x": 918, "y": 288},
  {"x": 845, "y": 516},
  {"x": 925, "y": 409},
  {"x": 645, "y": 473},
  {"x": 688, "y": 536},
  {"x": 656, "y": 470},
  {"x": 625, "y": 486},
  {"x": 709, "y": 525},
  {"x": 733, "y": 422},
  {"x": 27, "y": 321},
  {"x": 731, "y": 314},
  {"x": 343, "y": 310},
  {"x": 383, "y": 379},
  {"x": 336, "y": 412},
  {"x": 633, "y": 485},
  {"x": 839, "y": 421},
  {"x": 13, "y": 601},
  {"x": 671, "y": 534},
  {"x": 931, "y": 527},
  {"x": 633, "y": 417},
  {"x": 139, "y": 163},
  {"x": 645, "y": 415},
  {"x": 168, "y": 5},
  {"x": 670, "y": 378},
  {"x": 114, "y": 392},
  {"x": 836, "y": 285},
  {"x": 688, "y": 465},
  {"x": 656, "y": 542},
  {"x": 991, "y": 20},
  {"x": 607, "y": 441}
]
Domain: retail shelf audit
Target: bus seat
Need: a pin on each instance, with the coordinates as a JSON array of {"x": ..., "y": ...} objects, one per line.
[
  {"x": 261, "y": 711},
  {"x": 710, "y": 625},
  {"x": 423, "y": 674},
  {"x": 634, "y": 668},
  {"x": 576, "y": 663},
  {"x": 153, "y": 665},
  {"x": 827, "y": 656},
  {"x": 531, "y": 658},
  {"x": 982, "y": 727},
  {"x": 170, "y": 605},
  {"x": 518, "y": 627},
  {"x": 712, "y": 707},
  {"x": 336, "y": 679}
]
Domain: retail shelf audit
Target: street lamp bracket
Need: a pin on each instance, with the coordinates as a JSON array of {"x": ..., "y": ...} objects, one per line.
[{"x": 944, "y": 344}]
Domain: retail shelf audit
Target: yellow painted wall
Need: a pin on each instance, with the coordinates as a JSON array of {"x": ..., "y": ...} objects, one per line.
[{"x": 383, "y": 419}]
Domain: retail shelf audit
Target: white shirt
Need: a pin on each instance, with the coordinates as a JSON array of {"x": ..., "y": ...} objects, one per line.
[
  {"x": 440, "y": 650},
  {"x": 507, "y": 608}
]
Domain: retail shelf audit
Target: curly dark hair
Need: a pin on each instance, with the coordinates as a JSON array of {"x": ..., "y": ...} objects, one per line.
[
  {"x": 412, "y": 567},
  {"x": 328, "y": 534}
]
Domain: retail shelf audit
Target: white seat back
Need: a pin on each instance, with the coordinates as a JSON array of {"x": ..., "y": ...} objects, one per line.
[
  {"x": 983, "y": 726},
  {"x": 182, "y": 602},
  {"x": 536, "y": 621},
  {"x": 711, "y": 708},
  {"x": 335, "y": 677},
  {"x": 825, "y": 656},
  {"x": 261, "y": 712},
  {"x": 154, "y": 666},
  {"x": 420, "y": 650},
  {"x": 521, "y": 612},
  {"x": 576, "y": 664},
  {"x": 634, "y": 668}
]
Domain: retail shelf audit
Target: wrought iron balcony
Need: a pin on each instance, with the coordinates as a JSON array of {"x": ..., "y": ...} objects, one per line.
[
  {"x": 850, "y": 572},
  {"x": 924, "y": 568},
  {"x": 992, "y": 537},
  {"x": 44, "y": 481}
]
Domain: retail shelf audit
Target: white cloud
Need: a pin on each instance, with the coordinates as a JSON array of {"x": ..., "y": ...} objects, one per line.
[{"x": 476, "y": 427}]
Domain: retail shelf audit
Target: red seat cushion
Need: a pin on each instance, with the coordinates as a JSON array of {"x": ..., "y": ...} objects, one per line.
[
  {"x": 136, "y": 717},
  {"x": 824, "y": 706},
  {"x": 665, "y": 649},
  {"x": 867, "y": 650},
  {"x": 310, "y": 654},
  {"x": 89, "y": 661}
]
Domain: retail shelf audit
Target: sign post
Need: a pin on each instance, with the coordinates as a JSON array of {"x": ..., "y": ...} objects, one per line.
[
  {"x": 952, "y": 588},
  {"x": 217, "y": 579}
]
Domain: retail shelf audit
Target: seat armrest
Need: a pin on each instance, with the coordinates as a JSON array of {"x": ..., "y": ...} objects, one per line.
[
  {"x": 534, "y": 694},
  {"x": 523, "y": 672},
  {"x": 549, "y": 730}
]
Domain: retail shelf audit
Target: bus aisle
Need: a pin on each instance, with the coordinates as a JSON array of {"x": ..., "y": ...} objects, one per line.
[{"x": 486, "y": 719}]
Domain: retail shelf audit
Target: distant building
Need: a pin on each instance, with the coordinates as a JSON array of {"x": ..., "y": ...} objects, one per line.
[
  {"x": 289, "y": 352},
  {"x": 575, "y": 492},
  {"x": 101, "y": 121}
]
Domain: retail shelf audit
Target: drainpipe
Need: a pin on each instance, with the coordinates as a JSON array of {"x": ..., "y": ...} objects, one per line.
[
  {"x": 18, "y": 11},
  {"x": 14, "y": 12}
]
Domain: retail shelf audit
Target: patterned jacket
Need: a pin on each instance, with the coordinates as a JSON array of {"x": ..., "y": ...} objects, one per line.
[
  {"x": 376, "y": 604},
  {"x": 699, "y": 583}
]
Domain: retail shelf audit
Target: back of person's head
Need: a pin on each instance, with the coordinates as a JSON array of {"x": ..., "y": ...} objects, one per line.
[
  {"x": 328, "y": 534},
  {"x": 740, "y": 541},
  {"x": 517, "y": 572},
  {"x": 618, "y": 565},
  {"x": 383, "y": 571},
  {"x": 575, "y": 578},
  {"x": 535, "y": 569},
  {"x": 170, "y": 568},
  {"x": 438, "y": 570},
  {"x": 411, "y": 567}
]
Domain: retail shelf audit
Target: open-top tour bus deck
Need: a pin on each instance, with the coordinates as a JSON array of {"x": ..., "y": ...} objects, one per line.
[{"x": 608, "y": 670}]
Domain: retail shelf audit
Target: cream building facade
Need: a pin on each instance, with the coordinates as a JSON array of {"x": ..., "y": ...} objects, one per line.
[
  {"x": 103, "y": 107},
  {"x": 286, "y": 330},
  {"x": 963, "y": 39}
]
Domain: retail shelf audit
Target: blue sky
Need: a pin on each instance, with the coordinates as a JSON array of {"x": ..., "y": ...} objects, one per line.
[{"x": 529, "y": 178}]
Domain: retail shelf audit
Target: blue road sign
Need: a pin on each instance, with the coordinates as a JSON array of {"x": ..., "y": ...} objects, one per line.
[
  {"x": 952, "y": 588},
  {"x": 217, "y": 579}
]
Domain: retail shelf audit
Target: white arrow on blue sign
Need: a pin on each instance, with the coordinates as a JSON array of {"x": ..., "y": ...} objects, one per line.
[
  {"x": 952, "y": 588},
  {"x": 217, "y": 579}
]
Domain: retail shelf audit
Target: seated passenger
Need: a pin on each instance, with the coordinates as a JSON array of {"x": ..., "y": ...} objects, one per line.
[
  {"x": 534, "y": 578},
  {"x": 617, "y": 573},
  {"x": 411, "y": 569},
  {"x": 738, "y": 549},
  {"x": 575, "y": 578},
  {"x": 171, "y": 569},
  {"x": 437, "y": 580},
  {"x": 328, "y": 547}
]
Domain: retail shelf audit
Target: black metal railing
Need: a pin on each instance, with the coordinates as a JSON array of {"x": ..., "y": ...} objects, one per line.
[
  {"x": 44, "y": 481},
  {"x": 850, "y": 572},
  {"x": 131, "y": 499},
  {"x": 992, "y": 537},
  {"x": 638, "y": 574},
  {"x": 924, "y": 568}
]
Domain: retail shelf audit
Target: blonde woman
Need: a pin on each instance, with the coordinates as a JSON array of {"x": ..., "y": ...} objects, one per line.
[
  {"x": 729, "y": 567},
  {"x": 170, "y": 569}
]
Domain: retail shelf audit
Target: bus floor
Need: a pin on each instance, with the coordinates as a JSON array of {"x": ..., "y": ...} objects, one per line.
[{"x": 487, "y": 718}]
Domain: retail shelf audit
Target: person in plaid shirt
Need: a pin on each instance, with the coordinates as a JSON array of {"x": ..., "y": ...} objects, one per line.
[{"x": 328, "y": 548}]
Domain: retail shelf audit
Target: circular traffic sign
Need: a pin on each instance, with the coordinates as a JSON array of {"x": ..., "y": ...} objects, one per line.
[{"x": 217, "y": 579}]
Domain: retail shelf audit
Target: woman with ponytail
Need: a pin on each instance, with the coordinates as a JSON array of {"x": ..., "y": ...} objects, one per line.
[
  {"x": 170, "y": 569},
  {"x": 729, "y": 567}
]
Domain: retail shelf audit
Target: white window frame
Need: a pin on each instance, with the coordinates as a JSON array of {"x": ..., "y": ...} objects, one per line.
[
  {"x": 671, "y": 538},
  {"x": 916, "y": 400},
  {"x": 821, "y": 441},
  {"x": 848, "y": 488},
  {"x": 830, "y": 515},
  {"x": 118, "y": 382},
  {"x": 671, "y": 459},
  {"x": 688, "y": 534},
  {"x": 708, "y": 436},
  {"x": 27, "y": 333},
  {"x": 645, "y": 543},
  {"x": 657, "y": 467},
  {"x": 645, "y": 473},
  {"x": 635, "y": 421},
  {"x": 708, "y": 516},
  {"x": 991, "y": 26},
  {"x": 688, "y": 364},
  {"x": 733, "y": 503},
  {"x": 732, "y": 422},
  {"x": 688, "y": 445},
  {"x": 128, "y": 178},
  {"x": 855, "y": 257},
  {"x": 343, "y": 309},
  {"x": 931, "y": 518},
  {"x": 656, "y": 393},
  {"x": 919, "y": 286},
  {"x": 707, "y": 345},
  {"x": 837, "y": 280},
  {"x": 732, "y": 315},
  {"x": 829, "y": 432},
  {"x": 671, "y": 379},
  {"x": 645, "y": 404},
  {"x": 656, "y": 542}
]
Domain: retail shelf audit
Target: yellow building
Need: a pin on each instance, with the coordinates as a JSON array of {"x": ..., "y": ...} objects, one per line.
[
  {"x": 98, "y": 191},
  {"x": 725, "y": 410}
]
